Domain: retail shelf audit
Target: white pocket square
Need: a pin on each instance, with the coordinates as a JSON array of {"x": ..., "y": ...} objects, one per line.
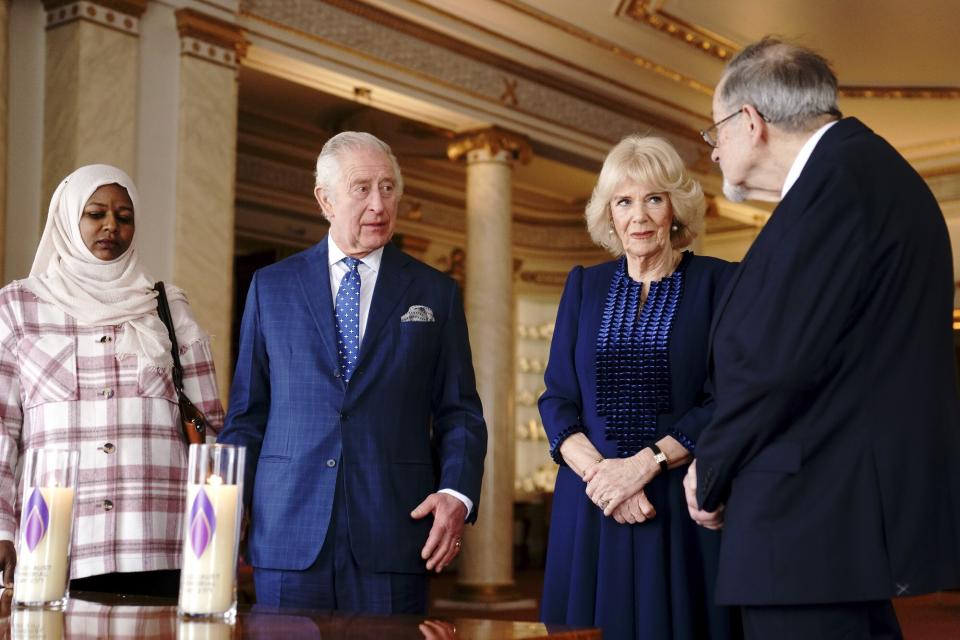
[{"x": 418, "y": 313}]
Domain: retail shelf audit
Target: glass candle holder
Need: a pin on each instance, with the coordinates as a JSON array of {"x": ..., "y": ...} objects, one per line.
[
  {"x": 37, "y": 624},
  {"x": 208, "y": 575},
  {"x": 206, "y": 630},
  {"x": 46, "y": 527}
]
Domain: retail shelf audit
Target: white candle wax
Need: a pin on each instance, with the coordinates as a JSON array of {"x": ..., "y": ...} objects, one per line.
[
  {"x": 41, "y": 574},
  {"x": 209, "y": 549}
]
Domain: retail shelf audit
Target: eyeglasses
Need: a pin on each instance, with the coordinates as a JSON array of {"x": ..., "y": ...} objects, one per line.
[{"x": 710, "y": 133}]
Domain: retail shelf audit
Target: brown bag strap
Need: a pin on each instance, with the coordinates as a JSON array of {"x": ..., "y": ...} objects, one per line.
[{"x": 163, "y": 310}]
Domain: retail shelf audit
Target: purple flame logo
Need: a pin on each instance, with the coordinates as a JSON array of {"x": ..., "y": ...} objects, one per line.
[
  {"x": 203, "y": 522},
  {"x": 37, "y": 520}
]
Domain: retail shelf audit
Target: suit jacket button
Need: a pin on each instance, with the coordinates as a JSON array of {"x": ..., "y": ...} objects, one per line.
[{"x": 331, "y": 463}]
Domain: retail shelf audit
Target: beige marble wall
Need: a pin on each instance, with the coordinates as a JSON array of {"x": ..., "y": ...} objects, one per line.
[
  {"x": 4, "y": 84},
  {"x": 90, "y": 99},
  {"x": 487, "y": 560},
  {"x": 204, "y": 237}
]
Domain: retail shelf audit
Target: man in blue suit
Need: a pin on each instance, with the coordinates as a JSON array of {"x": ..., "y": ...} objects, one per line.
[
  {"x": 355, "y": 397},
  {"x": 835, "y": 443}
]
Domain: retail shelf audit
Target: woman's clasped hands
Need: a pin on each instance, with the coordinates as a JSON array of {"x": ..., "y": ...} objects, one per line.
[{"x": 616, "y": 486}]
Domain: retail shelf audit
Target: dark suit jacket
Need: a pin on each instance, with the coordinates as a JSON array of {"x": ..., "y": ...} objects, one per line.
[
  {"x": 836, "y": 438},
  {"x": 408, "y": 423}
]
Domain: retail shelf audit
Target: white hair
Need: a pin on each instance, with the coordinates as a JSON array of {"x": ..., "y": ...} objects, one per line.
[{"x": 333, "y": 152}]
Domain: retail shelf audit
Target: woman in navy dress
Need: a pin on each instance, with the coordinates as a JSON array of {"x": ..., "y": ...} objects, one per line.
[{"x": 626, "y": 397}]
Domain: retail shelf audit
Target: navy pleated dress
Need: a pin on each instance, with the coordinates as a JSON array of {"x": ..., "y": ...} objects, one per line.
[{"x": 626, "y": 373}]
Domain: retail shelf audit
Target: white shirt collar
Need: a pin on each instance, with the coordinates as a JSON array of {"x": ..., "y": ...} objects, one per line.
[
  {"x": 801, "y": 160},
  {"x": 371, "y": 260}
]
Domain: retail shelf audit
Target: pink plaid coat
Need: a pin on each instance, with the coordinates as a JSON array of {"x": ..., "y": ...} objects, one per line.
[{"x": 61, "y": 386}]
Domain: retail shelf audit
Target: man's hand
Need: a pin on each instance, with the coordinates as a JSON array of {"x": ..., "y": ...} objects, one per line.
[
  {"x": 8, "y": 561},
  {"x": 709, "y": 519},
  {"x": 634, "y": 509},
  {"x": 438, "y": 630},
  {"x": 611, "y": 481},
  {"x": 443, "y": 543}
]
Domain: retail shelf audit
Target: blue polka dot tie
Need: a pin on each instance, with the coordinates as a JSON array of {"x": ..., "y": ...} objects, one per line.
[{"x": 348, "y": 319}]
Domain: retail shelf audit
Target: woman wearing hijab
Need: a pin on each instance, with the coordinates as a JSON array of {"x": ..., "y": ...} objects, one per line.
[{"x": 85, "y": 364}]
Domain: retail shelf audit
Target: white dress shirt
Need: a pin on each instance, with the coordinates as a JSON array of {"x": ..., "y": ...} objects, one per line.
[
  {"x": 369, "y": 267},
  {"x": 801, "y": 160}
]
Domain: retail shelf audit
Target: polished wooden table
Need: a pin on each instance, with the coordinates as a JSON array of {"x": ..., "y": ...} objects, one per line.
[{"x": 90, "y": 616}]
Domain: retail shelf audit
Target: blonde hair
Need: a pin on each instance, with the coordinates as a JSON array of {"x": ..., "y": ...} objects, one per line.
[{"x": 653, "y": 162}]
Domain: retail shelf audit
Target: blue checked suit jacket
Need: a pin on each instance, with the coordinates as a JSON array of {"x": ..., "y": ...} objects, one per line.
[{"x": 409, "y": 422}]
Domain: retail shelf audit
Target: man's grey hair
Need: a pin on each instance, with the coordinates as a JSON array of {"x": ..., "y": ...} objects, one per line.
[
  {"x": 339, "y": 147},
  {"x": 790, "y": 85}
]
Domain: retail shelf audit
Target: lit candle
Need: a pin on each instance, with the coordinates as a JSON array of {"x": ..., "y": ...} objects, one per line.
[
  {"x": 207, "y": 584},
  {"x": 45, "y": 528}
]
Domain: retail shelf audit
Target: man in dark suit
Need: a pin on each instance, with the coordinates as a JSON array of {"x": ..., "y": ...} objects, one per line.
[
  {"x": 833, "y": 457},
  {"x": 355, "y": 397}
]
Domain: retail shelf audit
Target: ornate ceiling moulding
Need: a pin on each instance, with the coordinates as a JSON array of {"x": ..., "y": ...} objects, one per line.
[
  {"x": 698, "y": 37},
  {"x": 211, "y": 39},
  {"x": 923, "y": 93},
  {"x": 417, "y": 50},
  {"x": 493, "y": 141},
  {"x": 609, "y": 46},
  {"x": 120, "y": 15},
  {"x": 645, "y": 12}
]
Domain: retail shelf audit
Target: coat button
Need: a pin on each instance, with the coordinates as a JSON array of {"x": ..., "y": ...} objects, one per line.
[
  {"x": 107, "y": 505},
  {"x": 108, "y": 447},
  {"x": 331, "y": 463},
  {"x": 344, "y": 416}
]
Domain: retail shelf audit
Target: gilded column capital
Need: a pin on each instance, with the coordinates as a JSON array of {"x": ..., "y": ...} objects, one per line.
[
  {"x": 121, "y": 15},
  {"x": 208, "y": 38},
  {"x": 490, "y": 143}
]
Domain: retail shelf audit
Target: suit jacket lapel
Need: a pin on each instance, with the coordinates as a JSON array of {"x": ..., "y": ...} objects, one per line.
[
  {"x": 392, "y": 281},
  {"x": 315, "y": 283}
]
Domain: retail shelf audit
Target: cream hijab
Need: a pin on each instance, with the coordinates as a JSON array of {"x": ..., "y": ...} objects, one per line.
[{"x": 98, "y": 292}]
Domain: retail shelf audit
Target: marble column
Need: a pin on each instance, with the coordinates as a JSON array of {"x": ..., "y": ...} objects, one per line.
[
  {"x": 4, "y": 84},
  {"x": 206, "y": 166},
  {"x": 486, "y": 564},
  {"x": 90, "y": 86}
]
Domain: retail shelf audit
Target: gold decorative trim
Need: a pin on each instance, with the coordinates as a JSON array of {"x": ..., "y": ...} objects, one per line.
[
  {"x": 609, "y": 46},
  {"x": 210, "y": 38},
  {"x": 120, "y": 16},
  {"x": 698, "y": 37},
  {"x": 134, "y": 8},
  {"x": 494, "y": 141},
  {"x": 934, "y": 93},
  {"x": 551, "y": 278},
  {"x": 723, "y": 49},
  {"x": 197, "y": 48}
]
